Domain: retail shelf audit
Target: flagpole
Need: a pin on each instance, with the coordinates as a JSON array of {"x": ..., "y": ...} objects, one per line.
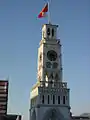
[{"x": 49, "y": 19}]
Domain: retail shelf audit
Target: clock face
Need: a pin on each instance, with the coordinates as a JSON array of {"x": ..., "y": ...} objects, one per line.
[
  {"x": 52, "y": 55},
  {"x": 48, "y": 65},
  {"x": 55, "y": 65}
]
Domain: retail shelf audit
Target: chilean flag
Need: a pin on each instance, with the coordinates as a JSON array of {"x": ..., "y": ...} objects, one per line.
[{"x": 43, "y": 11}]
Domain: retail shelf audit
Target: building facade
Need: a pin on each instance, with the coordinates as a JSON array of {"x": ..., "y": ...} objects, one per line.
[
  {"x": 80, "y": 117},
  {"x": 3, "y": 96},
  {"x": 4, "y": 102},
  {"x": 50, "y": 95},
  {"x": 10, "y": 117}
]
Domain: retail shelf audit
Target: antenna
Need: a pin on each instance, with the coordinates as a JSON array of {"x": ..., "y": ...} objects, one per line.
[{"x": 49, "y": 17}]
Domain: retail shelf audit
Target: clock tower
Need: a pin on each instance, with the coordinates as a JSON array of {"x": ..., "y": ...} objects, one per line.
[
  {"x": 49, "y": 55},
  {"x": 50, "y": 95}
]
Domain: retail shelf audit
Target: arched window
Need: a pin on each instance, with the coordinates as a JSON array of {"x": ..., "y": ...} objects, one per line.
[
  {"x": 53, "y": 99},
  {"x": 63, "y": 99},
  {"x": 52, "y": 32},
  {"x": 48, "y": 31},
  {"x": 48, "y": 99},
  {"x": 58, "y": 99},
  {"x": 43, "y": 99}
]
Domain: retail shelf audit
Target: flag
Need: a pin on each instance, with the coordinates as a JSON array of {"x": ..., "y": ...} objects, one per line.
[{"x": 43, "y": 11}]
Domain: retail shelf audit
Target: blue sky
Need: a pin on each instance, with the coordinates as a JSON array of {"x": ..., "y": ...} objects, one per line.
[{"x": 20, "y": 33}]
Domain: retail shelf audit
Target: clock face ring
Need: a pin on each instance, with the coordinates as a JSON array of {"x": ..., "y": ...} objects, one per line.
[
  {"x": 55, "y": 65},
  {"x": 48, "y": 65},
  {"x": 52, "y": 55}
]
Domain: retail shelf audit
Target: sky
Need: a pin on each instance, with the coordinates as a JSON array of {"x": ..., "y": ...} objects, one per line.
[{"x": 20, "y": 34}]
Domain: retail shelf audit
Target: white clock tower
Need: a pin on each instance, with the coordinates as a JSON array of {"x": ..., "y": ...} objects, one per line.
[{"x": 50, "y": 95}]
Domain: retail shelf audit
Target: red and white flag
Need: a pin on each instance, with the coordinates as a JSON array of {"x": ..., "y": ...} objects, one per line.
[{"x": 43, "y": 11}]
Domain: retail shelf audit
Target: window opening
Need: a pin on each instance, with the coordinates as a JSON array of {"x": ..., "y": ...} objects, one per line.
[
  {"x": 48, "y": 31},
  {"x": 52, "y": 32},
  {"x": 63, "y": 99},
  {"x": 48, "y": 99},
  {"x": 53, "y": 99},
  {"x": 58, "y": 99},
  {"x": 43, "y": 99}
]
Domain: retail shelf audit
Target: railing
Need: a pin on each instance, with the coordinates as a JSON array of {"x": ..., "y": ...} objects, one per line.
[{"x": 53, "y": 84}]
